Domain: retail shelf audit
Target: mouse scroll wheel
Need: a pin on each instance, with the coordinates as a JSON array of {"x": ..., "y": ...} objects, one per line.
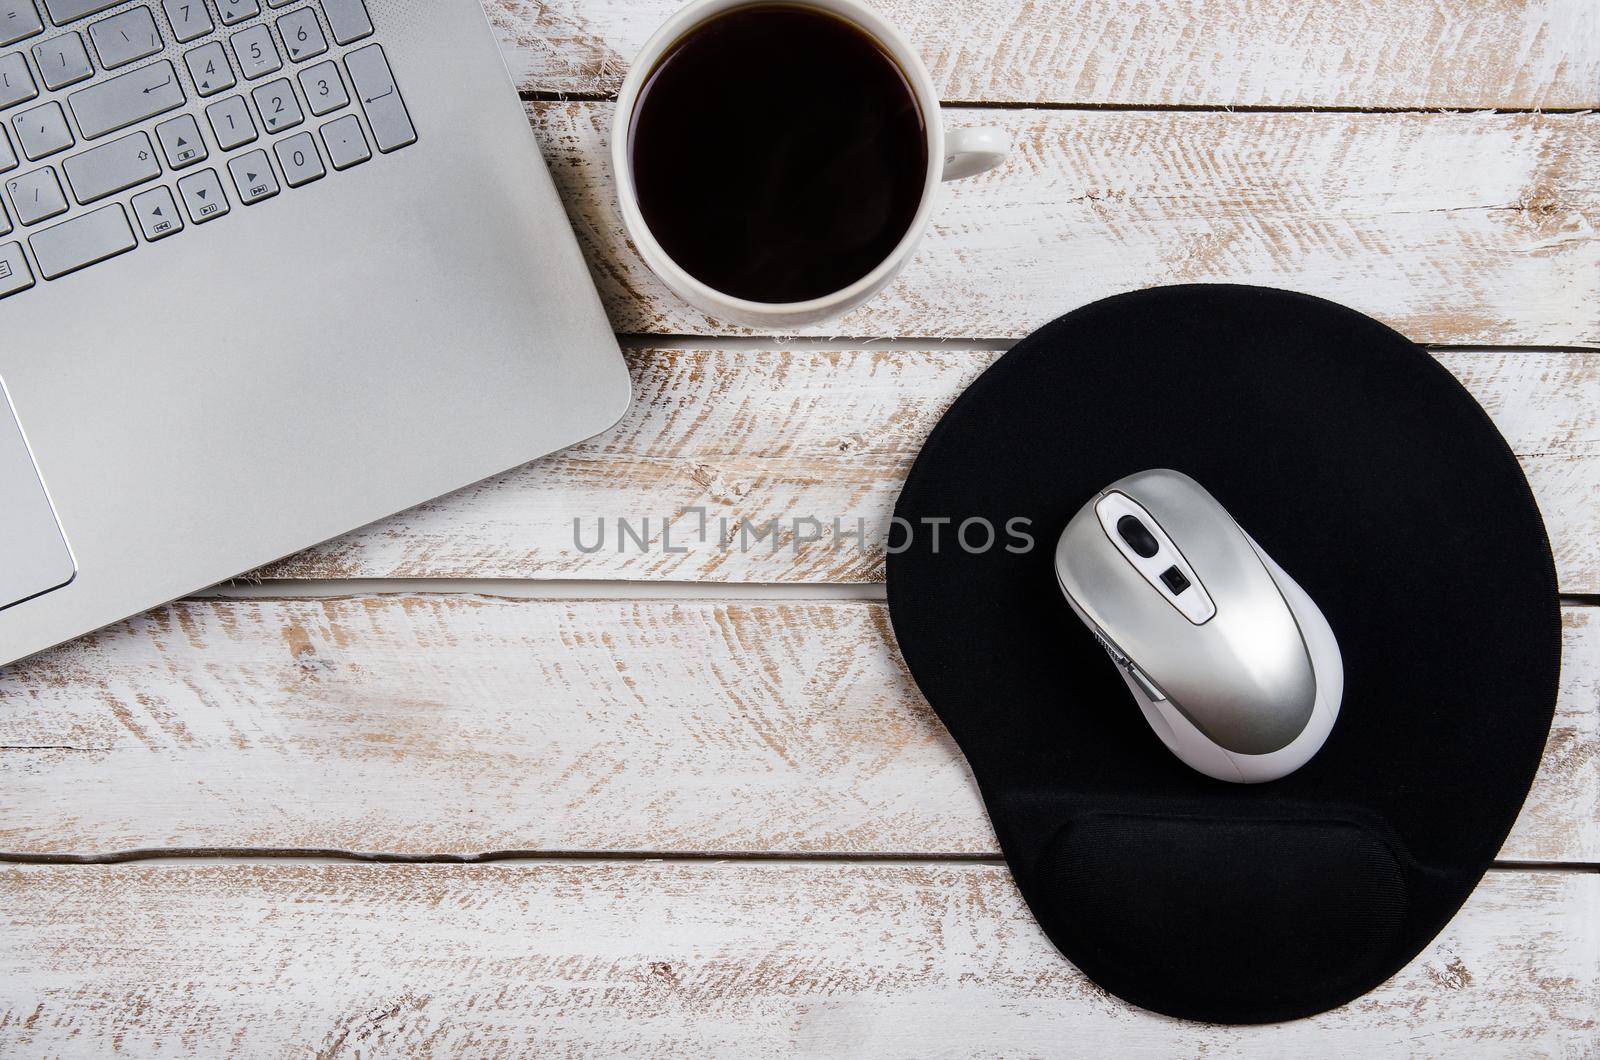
[
  {"x": 1138, "y": 536},
  {"x": 1116, "y": 656}
]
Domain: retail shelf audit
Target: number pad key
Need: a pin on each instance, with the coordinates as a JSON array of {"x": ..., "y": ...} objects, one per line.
[
  {"x": 63, "y": 61},
  {"x": 189, "y": 19},
  {"x": 324, "y": 88},
  {"x": 181, "y": 141},
  {"x": 300, "y": 161},
  {"x": 19, "y": 20},
  {"x": 16, "y": 81},
  {"x": 125, "y": 38},
  {"x": 230, "y": 120},
  {"x": 258, "y": 55},
  {"x": 203, "y": 196},
  {"x": 37, "y": 196},
  {"x": 42, "y": 131},
  {"x": 279, "y": 108},
  {"x": 302, "y": 34},
  {"x": 157, "y": 214},
  {"x": 347, "y": 145},
  {"x": 348, "y": 20},
  {"x": 236, "y": 11},
  {"x": 208, "y": 65}
]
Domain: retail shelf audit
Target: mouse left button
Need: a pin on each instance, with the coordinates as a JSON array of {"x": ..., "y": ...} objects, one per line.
[{"x": 34, "y": 557}]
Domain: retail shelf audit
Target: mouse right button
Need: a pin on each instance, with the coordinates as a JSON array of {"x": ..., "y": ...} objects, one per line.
[{"x": 1146, "y": 685}]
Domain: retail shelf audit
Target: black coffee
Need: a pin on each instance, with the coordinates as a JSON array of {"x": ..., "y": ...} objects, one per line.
[{"x": 778, "y": 153}]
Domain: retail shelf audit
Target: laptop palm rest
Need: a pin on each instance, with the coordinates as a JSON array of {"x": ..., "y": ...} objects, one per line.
[{"x": 34, "y": 558}]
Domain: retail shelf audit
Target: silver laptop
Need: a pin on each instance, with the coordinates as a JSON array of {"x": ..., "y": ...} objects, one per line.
[{"x": 269, "y": 270}]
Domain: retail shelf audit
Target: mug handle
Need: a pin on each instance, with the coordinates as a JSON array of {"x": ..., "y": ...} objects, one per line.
[{"x": 968, "y": 152}]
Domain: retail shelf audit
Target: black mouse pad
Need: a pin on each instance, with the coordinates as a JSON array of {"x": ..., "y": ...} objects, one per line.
[{"x": 1375, "y": 480}]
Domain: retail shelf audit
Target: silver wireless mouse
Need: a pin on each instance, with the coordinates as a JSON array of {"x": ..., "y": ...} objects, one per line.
[{"x": 1233, "y": 665}]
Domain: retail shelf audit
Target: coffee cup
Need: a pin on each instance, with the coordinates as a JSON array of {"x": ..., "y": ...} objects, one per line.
[{"x": 941, "y": 155}]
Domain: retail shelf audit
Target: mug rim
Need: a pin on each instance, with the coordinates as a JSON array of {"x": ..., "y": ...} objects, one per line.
[{"x": 690, "y": 17}]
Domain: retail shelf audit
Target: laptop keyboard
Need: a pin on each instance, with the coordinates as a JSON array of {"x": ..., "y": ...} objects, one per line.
[{"x": 95, "y": 161}]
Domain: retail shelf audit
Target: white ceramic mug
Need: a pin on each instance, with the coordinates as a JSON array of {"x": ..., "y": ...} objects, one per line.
[{"x": 952, "y": 154}]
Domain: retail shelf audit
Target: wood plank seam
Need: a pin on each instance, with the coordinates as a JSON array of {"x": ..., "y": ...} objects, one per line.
[
  {"x": 537, "y": 96},
  {"x": 450, "y": 725}
]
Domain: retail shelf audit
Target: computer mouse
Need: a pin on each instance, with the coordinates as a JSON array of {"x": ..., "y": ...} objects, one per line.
[{"x": 1231, "y": 662}]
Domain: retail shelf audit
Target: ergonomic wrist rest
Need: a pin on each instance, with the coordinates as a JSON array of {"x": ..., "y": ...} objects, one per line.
[{"x": 1361, "y": 465}]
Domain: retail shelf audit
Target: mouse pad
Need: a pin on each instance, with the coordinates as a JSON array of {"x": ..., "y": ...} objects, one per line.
[{"x": 1378, "y": 483}]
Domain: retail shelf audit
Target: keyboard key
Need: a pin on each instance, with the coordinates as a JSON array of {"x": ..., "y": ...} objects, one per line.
[
  {"x": 36, "y": 196},
  {"x": 231, "y": 121},
  {"x": 258, "y": 55},
  {"x": 16, "y": 81},
  {"x": 157, "y": 214},
  {"x": 42, "y": 131},
  {"x": 83, "y": 241},
  {"x": 324, "y": 88},
  {"x": 208, "y": 66},
  {"x": 19, "y": 20},
  {"x": 236, "y": 11},
  {"x": 126, "y": 37},
  {"x": 279, "y": 107},
  {"x": 181, "y": 141},
  {"x": 189, "y": 19},
  {"x": 110, "y": 168},
  {"x": 299, "y": 160},
  {"x": 348, "y": 20},
  {"x": 203, "y": 196},
  {"x": 64, "y": 11},
  {"x": 347, "y": 145},
  {"x": 14, "y": 272},
  {"x": 374, "y": 86},
  {"x": 302, "y": 34},
  {"x": 253, "y": 177},
  {"x": 107, "y": 106},
  {"x": 62, "y": 61},
  {"x": 8, "y": 157},
  {"x": 5, "y": 219}
]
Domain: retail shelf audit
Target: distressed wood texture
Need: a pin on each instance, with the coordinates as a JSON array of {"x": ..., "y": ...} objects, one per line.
[
  {"x": 502, "y": 960},
  {"x": 830, "y": 434},
  {"x": 1471, "y": 229},
  {"x": 460, "y": 725},
  {"x": 1361, "y": 53}
]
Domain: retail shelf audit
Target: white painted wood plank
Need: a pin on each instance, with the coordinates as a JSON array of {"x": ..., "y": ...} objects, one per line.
[
  {"x": 453, "y": 725},
  {"x": 652, "y": 959},
  {"x": 1347, "y": 53},
  {"x": 792, "y": 434},
  {"x": 1468, "y": 229}
]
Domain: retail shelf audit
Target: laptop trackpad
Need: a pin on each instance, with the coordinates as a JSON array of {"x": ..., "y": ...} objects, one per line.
[{"x": 34, "y": 558}]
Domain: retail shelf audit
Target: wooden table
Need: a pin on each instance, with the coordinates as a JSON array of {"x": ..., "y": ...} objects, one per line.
[{"x": 451, "y": 785}]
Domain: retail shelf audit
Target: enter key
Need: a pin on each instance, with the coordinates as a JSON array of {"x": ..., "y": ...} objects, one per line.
[{"x": 380, "y": 96}]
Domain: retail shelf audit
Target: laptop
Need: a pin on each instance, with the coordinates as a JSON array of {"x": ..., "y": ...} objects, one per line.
[{"x": 269, "y": 270}]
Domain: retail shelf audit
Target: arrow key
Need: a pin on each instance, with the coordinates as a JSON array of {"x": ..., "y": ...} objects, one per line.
[
  {"x": 253, "y": 176},
  {"x": 203, "y": 196},
  {"x": 181, "y": 141},
  {"x": 157, "y": 214}
]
